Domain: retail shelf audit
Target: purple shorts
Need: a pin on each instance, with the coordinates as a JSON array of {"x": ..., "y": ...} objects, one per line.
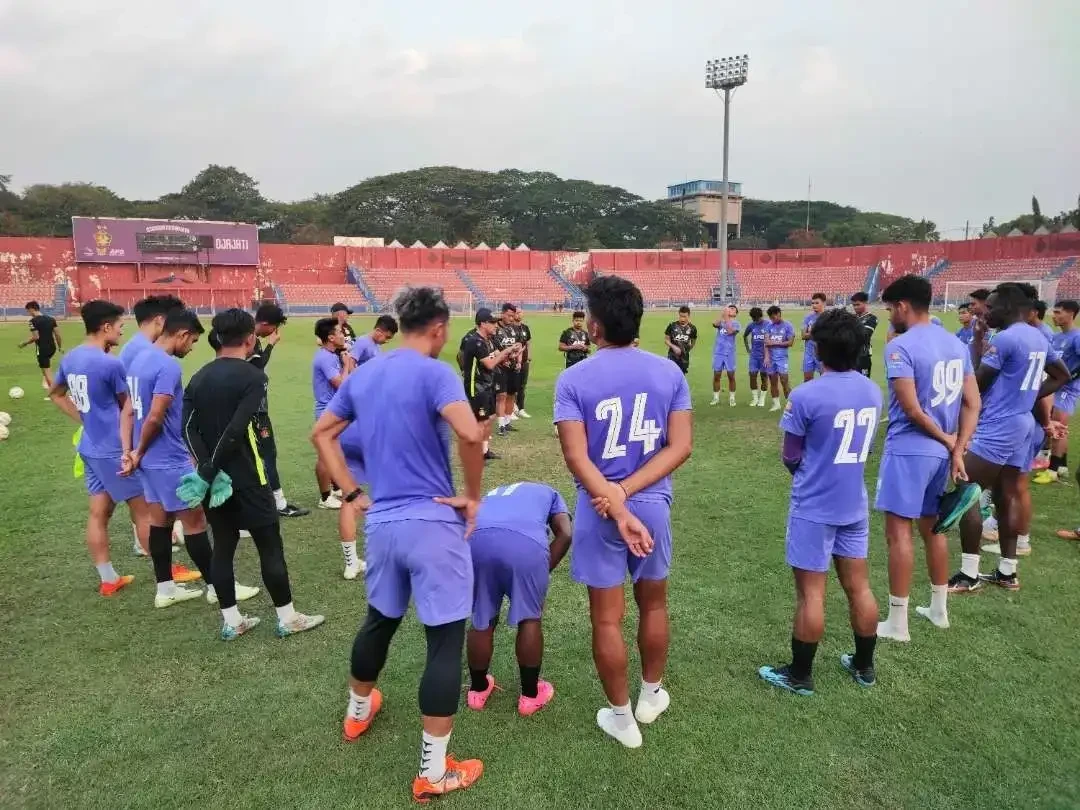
[
  {"x": 103, "y": 475},
  {"x": 911, "y": 486},
  {"x": 507, "y": 564},
  {"x": 159, "y": 486},
  {"x": 354, "y": 458},
  {"x": 600, "y": 559},
  {"x": 1037, "y": 439},
  {"x": 810, "y": 362},
  {"x": 723, "y": 364},
  {"x": 777, "y": 366},
  {"x": 811, "y": 546},
  {"x": 1065, "y": 401},
  {"x": 757, "y": 365},
  {"x": 1006, "y": 442},
  {"x": 426, "y": 560}
]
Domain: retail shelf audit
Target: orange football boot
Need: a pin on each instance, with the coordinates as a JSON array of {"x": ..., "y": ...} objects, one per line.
[
  {"x": 110, "y": 588},
  {"x": 182, "y": 574},
  {"x": 354, "y": 728},
  {"x": 458, "y": 776}
]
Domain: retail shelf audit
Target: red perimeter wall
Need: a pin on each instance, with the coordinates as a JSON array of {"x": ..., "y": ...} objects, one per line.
[{"x": 25, "y": 260}]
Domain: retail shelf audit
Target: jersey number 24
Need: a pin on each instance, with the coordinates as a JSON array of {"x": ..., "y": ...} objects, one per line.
[{"x": 642, "y": 430}]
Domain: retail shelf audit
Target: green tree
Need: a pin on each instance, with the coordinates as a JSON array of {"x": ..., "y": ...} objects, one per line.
[
  {"x": 222, "y": 193},
  {"x": 47, "y": 210},
  {"x": 1036, "y": 211}
]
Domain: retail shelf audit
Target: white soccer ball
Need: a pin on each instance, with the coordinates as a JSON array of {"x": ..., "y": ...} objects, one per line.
[
  {"x": 3, "y": 432},
  {"x": 5, "y": 418},
  {"x": 16, "y": 393}
]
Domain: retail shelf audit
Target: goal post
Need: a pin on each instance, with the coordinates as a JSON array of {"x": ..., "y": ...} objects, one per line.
[
  {"x": 460, "y": 303},
  {"x": 958, "y": 292}
]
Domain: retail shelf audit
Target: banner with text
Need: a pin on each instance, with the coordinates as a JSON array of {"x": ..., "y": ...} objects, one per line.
[{"x": 159, "y": 241}]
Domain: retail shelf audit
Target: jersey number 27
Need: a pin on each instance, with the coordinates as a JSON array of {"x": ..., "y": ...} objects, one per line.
[{"x": 846, "y": 420}]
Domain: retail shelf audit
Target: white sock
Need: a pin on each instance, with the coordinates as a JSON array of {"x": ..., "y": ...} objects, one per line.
[
  {"x": 279, "y": 499},
  {"x": 433, "y": 757},
  {"x": 969, "y": 565},
  {"x": 359, "y": 707},
  {"x": 624, "y": 717},
  {"x": 755, "y": 396},
  {"x": 485, "y": 448},
  {"x": 649, "y": 690},
  {"x": 776, "y": 400},
  {"x": 107, "y": 572},
  {"x": 1007, "y": 566},
  {"x": 1023, "y": 541},
  {"x": 166, "y": 588},
  {"x": 232, "y": 616},
  {"x": 286, "y": 613},
  {"x": 348, "y": 549},
  {"x": 715, "y": 396},
  {"x": 939, "y": 595},
  {"x": 898, "y": 614}
]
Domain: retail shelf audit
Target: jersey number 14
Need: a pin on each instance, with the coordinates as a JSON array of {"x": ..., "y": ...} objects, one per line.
[
  {"x": 642, "y": 430},
  {"x": 136, "y": 401}
]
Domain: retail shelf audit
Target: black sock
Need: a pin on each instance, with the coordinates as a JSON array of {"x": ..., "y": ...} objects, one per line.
[
  {"x": 864, "y": 651},
  {"x": 479, "y": 679},
  {"x": 1065, "y": 460},
  {"x": 161, "y": 552},
  {"x": 198, "y": 548},
  {"x": 325, "y": 494},
  {"x": 802, "y": 658},
  {"x": 1055, "y": 462},
  {"x": 530, "y": 677}
]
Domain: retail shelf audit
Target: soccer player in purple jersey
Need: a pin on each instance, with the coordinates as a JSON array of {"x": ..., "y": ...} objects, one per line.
[
  {"x": 966, "y": 332},
  {"x": 779, "y": 337},
  {"x": 90, "y": 388},
  {"x": 624, "y": 423},
  {"x": 810, "y": 362},
  {"x": 727, "y": 328},
  {"x": 512, "y": 559},
  {"x": 1010, "y": 378},
  {"x": 754, "y": 343},
  {"x": 416, "y": 526},
  {"x": 933, "y": 407},
  {"x": 1067, "y": 343},
  {"x": 328, "y": 372},
  {"x": 828, "y": 426},
  {"x": 368, "y": 346}
]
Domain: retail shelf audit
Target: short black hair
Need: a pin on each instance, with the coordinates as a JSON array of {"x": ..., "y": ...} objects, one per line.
[
  {"x": 387, "y": 324},
  {"x": 684, "y": 310},
  {"x": 860, "y": 297},
  {"x": 32, "y": 305},
  {"x": 734, "y": 307},
  {"x": 839, "y": 338},
  {"x": 271, "y": 314},
  {"x": 418, "y": 307},
  {"x": 183, "y": 320},
  {"x": 1028, "y": 289},
  {"x": 1011, "y": 298},
  {"x": 818, "y": 297},
  {"x": 1070, "y": 306},
  {"x": 963, "y": 308},
  {"x": 755, "y": 313},
  {"x": 324, "y": 327},
  {"x": 154, "y": 305},
  {"x": 916, "y": 291},
  {"x": 1040, "y": 309},
  {"x": 97, "y": 314},
  {"x": 577, "y": 314},
  {"x": 616, "y": 304},
  {"x": 508, "y": 307},
  {"x": 231, "y": 328},
  {"x": 773, "y": 310},
  {"x": 980, "y": 294}
]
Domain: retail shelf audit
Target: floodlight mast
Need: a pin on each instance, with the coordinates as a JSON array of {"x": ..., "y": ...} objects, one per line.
[{"x": 726, "y": 74}]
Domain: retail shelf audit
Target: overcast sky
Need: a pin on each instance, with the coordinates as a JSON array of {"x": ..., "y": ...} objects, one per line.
[{"x": 940, "y": 108}]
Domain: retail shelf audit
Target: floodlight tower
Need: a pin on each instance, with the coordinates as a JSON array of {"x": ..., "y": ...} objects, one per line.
[{"x": 725, "y": 74}]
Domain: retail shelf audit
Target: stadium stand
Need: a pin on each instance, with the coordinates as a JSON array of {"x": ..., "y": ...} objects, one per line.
[
  {"x": 384, "y": 282},
  {"x": 318, "y": 298},
  {"x": 664, "y": 288},
  {"x": 996, "y": 270},
  {"x": 526, "y": 287},
  {"x": 796, "y": 284},
  {"x": 13, "y": 298}
]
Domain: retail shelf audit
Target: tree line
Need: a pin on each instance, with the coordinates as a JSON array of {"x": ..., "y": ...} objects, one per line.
[{"x": 450, "y": 204}]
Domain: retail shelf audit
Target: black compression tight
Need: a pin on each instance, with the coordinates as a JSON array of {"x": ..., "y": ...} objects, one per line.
[{"x": 267, "y": 539}]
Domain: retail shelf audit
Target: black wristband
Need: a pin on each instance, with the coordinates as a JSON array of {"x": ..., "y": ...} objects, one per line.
[{"x": 352, "y": 496}]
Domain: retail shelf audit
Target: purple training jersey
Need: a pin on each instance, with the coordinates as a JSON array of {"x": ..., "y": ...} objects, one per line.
[
  {"x": 624, "y": 397},
  {"x": 775, "y": 334},
  {"x": 156, "y": 373},
  {"x": 524, "y": 507},
  {"x": 324, "y": 368},
  {"x": 406, "y": 445},
  {"x": 95, "y": 380},
  {"x": 836, "y": 414},
  {"x": 807, "y": 325},
  {"x": 1019, "y": 354},
  {"x": 133, "y": 348},
  {"x": 938, "y": 363},
  {"x": 1067, "y": 345},
  {"x": 364, "y": 349},
  {"x": 757, "y": 330},
  {"x": 726, "y": 335}
]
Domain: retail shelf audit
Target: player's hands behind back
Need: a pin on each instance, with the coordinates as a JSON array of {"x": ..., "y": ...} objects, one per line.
[
  {"x": 466, "y": 506},
  {"x": 612, "y": 505}
]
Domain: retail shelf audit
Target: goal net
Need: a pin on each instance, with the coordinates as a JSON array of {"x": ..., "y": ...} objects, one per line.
[
  {"x": 958, "y": 292},
  {"x": 460, "y": 303}
]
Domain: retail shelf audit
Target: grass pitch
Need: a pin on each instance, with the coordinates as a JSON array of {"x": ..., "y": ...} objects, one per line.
[{"x": 109, "y": 703}]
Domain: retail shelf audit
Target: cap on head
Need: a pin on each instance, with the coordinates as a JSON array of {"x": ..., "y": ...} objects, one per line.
[
  {"x": 485, "y": 315},
  {"x": 340, "y": 307}
]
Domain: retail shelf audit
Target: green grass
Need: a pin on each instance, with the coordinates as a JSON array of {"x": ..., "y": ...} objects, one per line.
[{"x": 110, "y": 703}]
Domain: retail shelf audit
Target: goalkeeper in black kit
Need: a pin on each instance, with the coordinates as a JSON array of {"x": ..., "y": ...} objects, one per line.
[{"x": 860, "y": 303}]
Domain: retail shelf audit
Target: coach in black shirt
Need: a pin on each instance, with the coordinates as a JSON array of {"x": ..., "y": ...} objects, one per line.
[
  {"x": 869, "y": 321},
  {"x": 574, "y": 342},
  {"x": 46, "y": 336},
  {"x": 479, "y": 360},
  {"x": 680, "y": 337},
  {"x": 340, "y": 312},
  {"x": 525, "y": 339}
]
